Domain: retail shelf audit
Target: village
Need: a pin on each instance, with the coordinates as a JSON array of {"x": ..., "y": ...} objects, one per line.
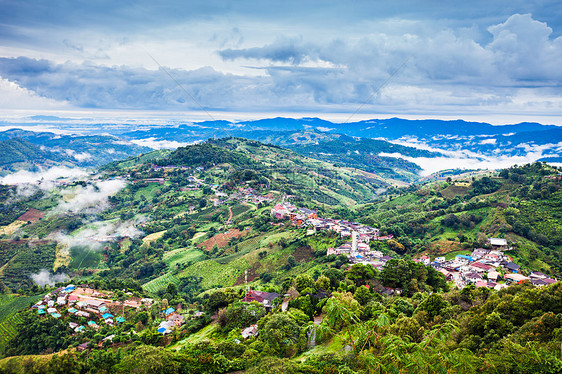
[
  {"x": 491, "y": 268},
  {"x": 88, "y": 308}
]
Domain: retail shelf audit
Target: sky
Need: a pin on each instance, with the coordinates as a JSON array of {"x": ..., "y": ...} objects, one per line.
[{"x": 487, "y": 60}]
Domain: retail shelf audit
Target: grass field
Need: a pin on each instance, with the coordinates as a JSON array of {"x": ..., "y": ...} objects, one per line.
[
  {"x": 240, "y": 209},
  {"x": 216, "y": 274},
  {"x": 84, "y": 258},
  {"x": 181, "y": 255},
  {"x": 160, "y": 283}
]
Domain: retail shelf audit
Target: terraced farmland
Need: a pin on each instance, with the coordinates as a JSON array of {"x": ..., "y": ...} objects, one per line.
[
  {"x": 161, "y": 283},
  {"x": 9, "y": 306}
]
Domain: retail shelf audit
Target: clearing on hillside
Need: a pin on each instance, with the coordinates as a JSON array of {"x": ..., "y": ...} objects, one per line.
[{"x": 222, "y": 239}]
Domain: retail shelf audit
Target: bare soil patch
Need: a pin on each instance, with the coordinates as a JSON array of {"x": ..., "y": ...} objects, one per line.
[
  {"x": 304, "y": 254},
  {"x": 32, "y": 215},
  {"x": 221, "y": 240}
]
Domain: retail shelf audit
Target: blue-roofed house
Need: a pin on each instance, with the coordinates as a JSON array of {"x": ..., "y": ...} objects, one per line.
[
  {"x": 469, "y": 258},
  {"x": 55, "y": 315},
  {"x": 169, "y": 311},
  {"x": 72, "y": 310},
  {"x": 120, "y": 319},
  {"x": 107, "y": 315},
  {"x": 40, "y": 311},
  {"x": 162, "y": 330}
]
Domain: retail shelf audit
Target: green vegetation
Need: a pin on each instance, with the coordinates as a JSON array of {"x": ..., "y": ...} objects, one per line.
[{"x": 337, "y": 317}]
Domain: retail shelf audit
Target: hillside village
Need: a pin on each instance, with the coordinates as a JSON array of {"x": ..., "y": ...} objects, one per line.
[{"x": 491, "y": 268}]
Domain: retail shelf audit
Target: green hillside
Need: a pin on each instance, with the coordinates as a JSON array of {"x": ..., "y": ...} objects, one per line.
[
  {"x": 364, "y": 154},
  {"x": 192, "y": 229},
  {"x": 18, "y": 151}
]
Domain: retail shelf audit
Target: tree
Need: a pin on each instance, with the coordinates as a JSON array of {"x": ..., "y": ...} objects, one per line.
[
  {"x": 221, "y": 299},
  {"x": 363, "y": 295},
  {"x": 303, "y": 281},
  {"x": 241, "y": 314},
  {"x": 323, "y": 283},
  {"x": 291, "y": 263},
  {"x": 147, "y": 359},
  {"x": 433, "y": 305},
  {"x": 360, "y": 274},
  {"x": 279, "y": 331}
]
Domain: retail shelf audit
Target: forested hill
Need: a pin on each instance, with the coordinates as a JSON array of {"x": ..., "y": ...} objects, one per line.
[
  {"x": 364, "y": 154},
  {"x": 281, "y": 169},
  {"x": 19, "y": 151}
]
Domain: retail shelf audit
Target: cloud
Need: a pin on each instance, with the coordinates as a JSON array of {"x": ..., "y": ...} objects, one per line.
[
  {"x": 95, "y": 234},
  {"x": 79, "y": 156},
  {"x": 464, "y": 159},
  {"x": 28, "y": 182},
  {"x": 159, "y": 144},
  {"x": 513, "y": 69},
  {"x": 44, "y": 277},
  {"x": 523, "y": 49},
  {"x": 284, "y": 50},
  {"x": 93, "y": 198}
]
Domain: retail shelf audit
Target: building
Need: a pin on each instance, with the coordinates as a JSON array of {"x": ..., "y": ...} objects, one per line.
[
  {"x": 264, "y": 298},
  {"x": 498, "y": 243}
]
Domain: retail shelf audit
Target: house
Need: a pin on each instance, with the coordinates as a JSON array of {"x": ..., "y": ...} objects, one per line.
[
  {"x": 95, "y": 304},
  {"x": 80, "y": 329},
  {"x": 177, "y": 319},
  {"x": 264, "y": 298},
  {"x": 481, "y": 283},
  {"x": 448, "y": 275},
  {"x": 73, "y": 325},
  {"x": 479, "y": 252},
  {"x": 249, "y": 331},
  {"x": 513, "y": 267},
  {"x": 81, "y": 313},
  {"x": 82, "y": 347},
  {"x": 515, "y": 278},
  {"x": 537, "y": 275},
  {"x": 493, "y": 275},
  {"x": 169, "y": 311},
  {"x": 464, "y": 258},
  {"x": 81, "y": 304},
  {"x": 498, "y": 243},
  {"x": 425, "y": 260},
  {"x": 472, "y": 277},
  {"x": 165, "y": 327},
  {"x": 480, "y": 267},
  {"x": 107, "y": 316}
]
